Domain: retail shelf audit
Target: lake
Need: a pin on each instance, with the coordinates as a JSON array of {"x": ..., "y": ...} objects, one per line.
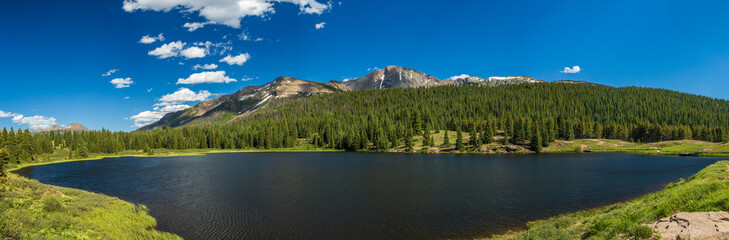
[{"x": 365, "y": 195}]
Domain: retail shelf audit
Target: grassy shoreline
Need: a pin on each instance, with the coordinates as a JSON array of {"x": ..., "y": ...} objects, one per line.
[{"x": 25, "y": 195}]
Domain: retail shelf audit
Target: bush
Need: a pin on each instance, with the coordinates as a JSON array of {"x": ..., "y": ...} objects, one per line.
[{"x": 52, "y": 204}]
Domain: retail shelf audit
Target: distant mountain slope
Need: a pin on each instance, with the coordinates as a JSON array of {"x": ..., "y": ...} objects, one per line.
[
  {"x": 73, "y": 127},
  {"x": 497, "y": 81},
  {"x": 390, "y": 77},
  {"x": 244, "y": 101},
  {"x": 226, "y": 108}
]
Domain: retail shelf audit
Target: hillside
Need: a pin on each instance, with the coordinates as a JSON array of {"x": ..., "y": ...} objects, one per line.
[
  {"x": 226, "y": 108},
  {"x": 248, "y": 99}
]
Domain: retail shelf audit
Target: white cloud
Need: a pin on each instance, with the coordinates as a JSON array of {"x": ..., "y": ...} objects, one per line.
[
  {"x": 168, "y": 103},
  {"x": 574, "y": 69},
  {"x": 459, "y": 76},
  {"x": 168, "y": 50},
  {"x": 226, "y": 12},
  {"x": 194, "y": 52},
  {"x": 216, "y": 48},
  {"x": 127, "y": 97},
  {"x": 147, "y": 39},
  {"x": 8, "y": 114},
  {"x": 121, "y": 82},
  {"x": 183, "y": 95},
  {"x": 173, "y": 108},
  {"x": 206, "y": 77},
  {"x": 192, "y": 26},
  {"x": 150, "y": 90},
  {"x": 35, "y": 121},
  {"x": 205, "y": 67},
  {"x": 236, "y": 60},
  {"x": 320, "y": 25},
  {"x": 372, "y": 69},
  {"x": 109, "y": 72}
]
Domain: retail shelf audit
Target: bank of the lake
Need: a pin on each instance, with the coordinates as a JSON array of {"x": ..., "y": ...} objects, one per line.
[
  {"x": 708, "y": 190},
  {"x": 80, "y": 213},
  {"x": 32, "y": 210}
]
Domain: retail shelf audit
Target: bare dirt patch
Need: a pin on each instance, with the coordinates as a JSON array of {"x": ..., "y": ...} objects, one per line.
[{"x": 694, "y": 225}]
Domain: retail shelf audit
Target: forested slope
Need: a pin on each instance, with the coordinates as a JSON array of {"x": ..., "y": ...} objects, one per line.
[{"x": 525, "y": 114}]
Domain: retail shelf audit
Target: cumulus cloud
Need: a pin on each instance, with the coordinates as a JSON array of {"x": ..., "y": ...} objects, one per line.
[
  {"x": 226, "y": 12},
  {"x": 194, "y": 52},
  {"x": 192, "y": 26},
  {"x": 8, "y": 114},
  {"x": 183, "y": 95},
  {"x": 205, "y": 67},
  {"x": 236, "y": 60},
  {"x": 320, "y": 25},
  {"x": 110, "y": 72},
  {"x": 121, "y": 82},
  {"x": 459, "y": 76},
  {"x": 127, "y": 97},
  {"x": 168, "y": 50},
  {"x": 574, "y": 69},
  {"x": 168, "y": 103},
  {"x": 147, "y": 39},
  {"x": 206, "y": 77},
  {"x": 36, "y": 121}
]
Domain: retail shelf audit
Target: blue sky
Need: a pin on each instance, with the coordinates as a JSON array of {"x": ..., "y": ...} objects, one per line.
[{"x": 54, "y": 53}]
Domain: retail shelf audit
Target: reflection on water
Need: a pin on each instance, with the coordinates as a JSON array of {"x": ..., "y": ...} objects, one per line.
[{"x": 365, "y": 195}]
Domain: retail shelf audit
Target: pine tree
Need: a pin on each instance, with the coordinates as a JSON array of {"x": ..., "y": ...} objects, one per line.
[
  {"x": 488, "y": 133},
  {"x": 81, "y": 149},
  {"x": 408, "y": 143},
  {"x": 459, "y": 140},
  {"x": 426, "y": 138},
  {"x": 536, "y": 141},
  {"x": 446, "y": 140}
]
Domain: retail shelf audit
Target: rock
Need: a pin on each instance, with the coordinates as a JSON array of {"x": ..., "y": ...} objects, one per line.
[{"x": 694, "y": 225}]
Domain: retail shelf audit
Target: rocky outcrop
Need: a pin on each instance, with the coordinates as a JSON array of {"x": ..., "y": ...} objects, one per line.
[
  {"x": 390, "y": 77},
  {"x": 497, "y": 81},
  {"x": 694, "y": 225},
  {"x": 73, "y": 127}
]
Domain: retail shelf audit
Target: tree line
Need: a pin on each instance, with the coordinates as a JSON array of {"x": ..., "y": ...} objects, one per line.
[{"x": 528, "y": 114}]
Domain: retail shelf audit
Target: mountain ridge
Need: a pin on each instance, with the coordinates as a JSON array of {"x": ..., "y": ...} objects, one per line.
[{"x": 247, "y": 100}]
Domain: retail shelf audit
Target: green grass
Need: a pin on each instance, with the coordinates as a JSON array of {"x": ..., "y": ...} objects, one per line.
[
  {"x": 708, "y": 190},
  {"x": 60, "y": 155},
  {"x": 32, "y": 210}
]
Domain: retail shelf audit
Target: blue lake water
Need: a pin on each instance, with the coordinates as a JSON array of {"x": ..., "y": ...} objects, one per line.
[{"x": 365, "y": 195}]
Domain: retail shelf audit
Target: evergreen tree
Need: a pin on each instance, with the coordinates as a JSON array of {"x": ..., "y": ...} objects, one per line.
[
  {"x": 81, "y": 149},
  {"x": 446, "y": 140},
  {"x": 426, "y": 138},
  {"x": 536, "y": 142},
  {"x": 459, "y": 140}
]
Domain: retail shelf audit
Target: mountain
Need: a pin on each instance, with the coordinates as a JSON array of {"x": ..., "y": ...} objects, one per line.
[
  {"x": 245, "y": 101},
  {"x": 226, "y": 108},
  {"x": 73, "y": 127},
  {"x": 390, "y": 77},
  {"x": 497, "y": 81}
]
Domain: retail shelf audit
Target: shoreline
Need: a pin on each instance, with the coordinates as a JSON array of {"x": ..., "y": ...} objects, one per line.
[
  {"x": 201, "y": 152},
  {"x": 509, "y": 231}
]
